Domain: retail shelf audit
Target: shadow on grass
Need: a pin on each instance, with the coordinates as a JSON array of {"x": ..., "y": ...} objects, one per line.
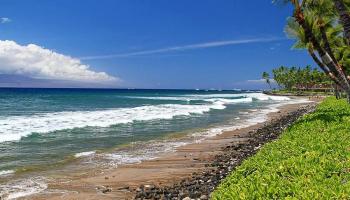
[{"x": 326, "y": 116}]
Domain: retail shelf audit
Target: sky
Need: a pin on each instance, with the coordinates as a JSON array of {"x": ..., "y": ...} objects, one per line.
[{"x": 182, "y": 44}]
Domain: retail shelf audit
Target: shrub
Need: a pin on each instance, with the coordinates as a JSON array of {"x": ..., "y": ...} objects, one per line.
[{"x": 310, "y": 160}]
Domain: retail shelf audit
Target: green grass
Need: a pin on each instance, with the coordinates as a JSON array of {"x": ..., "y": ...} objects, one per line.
[{"x": 311, "y": 160}]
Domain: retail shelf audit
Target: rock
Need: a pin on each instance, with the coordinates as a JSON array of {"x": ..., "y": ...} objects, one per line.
[
  {"x": 196, "y": 194},
  {"x": 124, "y": 188},
  {"x": 200, "y": 185},
  {"x": 104, "y": 191}
]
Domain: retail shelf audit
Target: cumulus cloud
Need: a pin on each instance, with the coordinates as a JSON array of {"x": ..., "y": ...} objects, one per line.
[
  {"x": 37, "y": 62},
  {"x": 4, "y": 20}
]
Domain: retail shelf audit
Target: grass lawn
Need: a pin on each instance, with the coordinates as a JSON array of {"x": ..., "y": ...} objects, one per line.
[{"x": 310, "y": 160}]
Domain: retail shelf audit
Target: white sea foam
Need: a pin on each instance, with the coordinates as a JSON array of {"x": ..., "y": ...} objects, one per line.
[
  {"x": 254, "y": 117},
  {"x": 257, "y": 96},
  {"x": 196, "y": 97},
  {"x": 230, "y": 101},
  {"x": 264, "y": 97},
  {"x": 6, "y": 172},
  {"x": 15, "y": 127},
  {"x": 168, "y": 98},
  {"x": 84, "y": 154},
  {"x": 151, "y": 151},
  {"x": 154, "y": 149},
  {"x": 22, "y": 188}
]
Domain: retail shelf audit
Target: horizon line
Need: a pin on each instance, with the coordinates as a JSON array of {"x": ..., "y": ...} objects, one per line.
[{"x": 111, "y": 88}]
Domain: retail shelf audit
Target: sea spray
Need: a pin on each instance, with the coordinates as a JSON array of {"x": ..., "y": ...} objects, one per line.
[{"x": 44, "y": 127}]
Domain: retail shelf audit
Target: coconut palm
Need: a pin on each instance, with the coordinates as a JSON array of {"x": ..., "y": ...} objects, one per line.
[
  {"x": 344, "y": 17},
  {"x": 291, "y": 78},
  {"x": 266, "y": 76},
  {"x": 295, "y": 31},
  {"x": 316, "y": 28}
]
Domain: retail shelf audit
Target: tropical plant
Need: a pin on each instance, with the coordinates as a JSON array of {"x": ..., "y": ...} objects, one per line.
[
  {"x": 323, "y": 28},
  {"x": 296, "y": 78},
  {"x": 266, "y": 76},
  {"x": 308, "y": 161}
]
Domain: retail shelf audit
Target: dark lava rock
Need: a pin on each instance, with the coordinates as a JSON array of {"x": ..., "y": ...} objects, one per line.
[
  {"x": 200, "y": 185},
  {"x": 106, "y": 190}
]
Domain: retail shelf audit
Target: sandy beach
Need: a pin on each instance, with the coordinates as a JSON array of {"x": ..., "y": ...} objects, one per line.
[{"x": 168, "y": 169}]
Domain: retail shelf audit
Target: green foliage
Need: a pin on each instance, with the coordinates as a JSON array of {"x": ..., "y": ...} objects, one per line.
[
  {"x": 317, "y": 26},
  {"x": 311, "y": 160},
  {"x": 266, "y": 76},
  {"x": 299, "y": 78},
  {"x": 318, "y": 13}
]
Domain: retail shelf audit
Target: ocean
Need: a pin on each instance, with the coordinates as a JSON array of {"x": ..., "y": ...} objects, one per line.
[{"x": 43, "y": 131}]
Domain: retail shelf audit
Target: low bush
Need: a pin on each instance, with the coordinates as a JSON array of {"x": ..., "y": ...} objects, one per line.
[{"x": 310, "y": 160}]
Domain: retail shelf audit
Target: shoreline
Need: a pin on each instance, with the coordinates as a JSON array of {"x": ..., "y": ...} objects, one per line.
[
  {"x": 125, "y": 181},
  {"x": 200, "y": 185}
]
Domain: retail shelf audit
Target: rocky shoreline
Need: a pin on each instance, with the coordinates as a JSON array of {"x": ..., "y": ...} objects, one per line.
[{"x": 200, "y": 185}]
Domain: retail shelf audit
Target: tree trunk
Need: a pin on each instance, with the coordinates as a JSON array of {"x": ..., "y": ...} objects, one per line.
[
  {"x": 326, "y": 59},
  {"x": 327, "y": 46},
  {"x": 344, "y": 17},
  {"x": 322, "y": 66},
  {"x": 336, "y": 92}
]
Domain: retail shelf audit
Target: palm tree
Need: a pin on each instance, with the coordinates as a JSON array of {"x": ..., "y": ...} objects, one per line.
[
  {"x": 291, "y": 78},
  {"x": 276, "y": 77},
  {"x": 308, "y": 79},
  {"x": 344, "y": 17},
  {"x": 316, "y": 28},
  {"x": 266, "y": 76},
  {"x": 298, "y": 78},
  {"x": 294, "y": 31},
  {"x": 279, "y": 76}
]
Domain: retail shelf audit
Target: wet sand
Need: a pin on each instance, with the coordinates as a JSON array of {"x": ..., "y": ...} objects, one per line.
[{"x": 169, "y": 168}]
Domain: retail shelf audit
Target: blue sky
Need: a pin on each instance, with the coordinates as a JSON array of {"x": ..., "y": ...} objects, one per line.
[{"x": 221, "y": 44}]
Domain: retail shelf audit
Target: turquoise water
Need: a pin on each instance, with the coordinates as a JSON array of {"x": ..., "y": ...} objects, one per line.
[{"x": 40, "y": 128}]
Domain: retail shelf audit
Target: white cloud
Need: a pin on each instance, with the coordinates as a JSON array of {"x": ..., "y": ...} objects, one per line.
[
  {"x": 37, "y": 62},
  {"x": 4, "y": 20},
  {"x": 254, "y": 84},
  {"x": 185, "y": 47},
  {"x": 260, "y": 81}
]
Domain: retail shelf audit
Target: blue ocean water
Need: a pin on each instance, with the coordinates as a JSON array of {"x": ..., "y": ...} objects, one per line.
[{"x": 41, "y": 128}]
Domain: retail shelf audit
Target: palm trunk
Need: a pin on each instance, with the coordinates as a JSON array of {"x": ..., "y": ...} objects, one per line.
[
  {"x": 327, "y": 60},
  {"x": 344, "y": 17},
  {"x": 348, "y": 96},
  {"x": 336, "y": 92},
  {"x": 322, "y": 66},
  {"x": 326, "y": 42}
]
